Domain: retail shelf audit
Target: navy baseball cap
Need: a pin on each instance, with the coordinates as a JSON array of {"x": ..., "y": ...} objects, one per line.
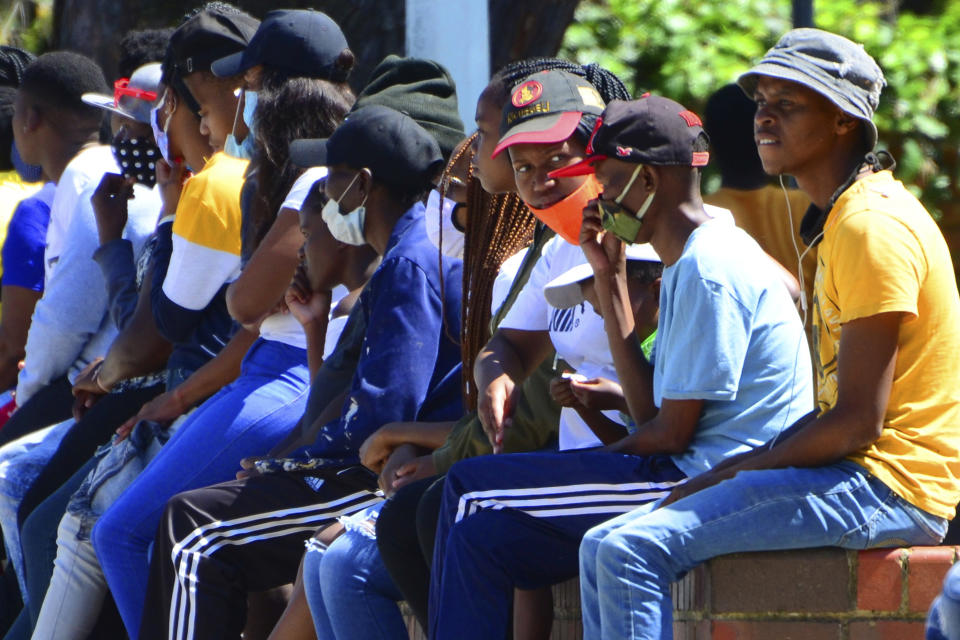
[
  {"x": 302, "y": 42},
  {"x": 547, "y": 107},
  {"x": 651, "y": 130},
  {"x": 396, "y": 149}
]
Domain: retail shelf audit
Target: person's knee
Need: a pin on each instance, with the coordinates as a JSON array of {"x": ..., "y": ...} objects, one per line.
[
  {"x": 618, "y": 549},
  {"x": 336, "y": 565},
  {"x": 486, "y": 533},
  {"x": 104, "y": 534},
  {"x": 312, "y": 559},
  {"x": 590, "y": 544},
  {"x": 462, "y": 476},
  {"x": 428, "y": 514},
  {"x": 339, "y": 574}
]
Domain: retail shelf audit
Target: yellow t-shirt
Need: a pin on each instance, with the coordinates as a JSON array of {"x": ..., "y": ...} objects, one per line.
[
  {"x": 763, "y": 214},
  {"x": 206, "y": 233},
  {"x": 882, "y": 252}
]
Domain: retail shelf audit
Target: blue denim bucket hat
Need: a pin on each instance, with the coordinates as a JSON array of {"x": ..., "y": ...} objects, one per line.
[{"x": 836, "y": 68}]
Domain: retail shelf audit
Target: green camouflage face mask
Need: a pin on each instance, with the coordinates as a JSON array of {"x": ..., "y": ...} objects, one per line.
[{"x": 616, "y": 219}]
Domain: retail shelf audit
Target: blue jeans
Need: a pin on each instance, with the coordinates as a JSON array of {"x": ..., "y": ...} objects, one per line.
[
  {"x": 943, "y": 623},
  {"x": 40, "y": 550},
  {"x": 243, "y": 419},
  {"x": 628, "y": 563},
  {"x": 21, "y": 461},
  {"x": 350, "y": 593}
]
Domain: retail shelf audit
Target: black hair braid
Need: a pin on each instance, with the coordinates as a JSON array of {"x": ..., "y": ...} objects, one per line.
[
  {"x": 608, "y": 85},
  {"x": 497, "y": 227},
  {"x": 504, "y": 227},
  {"x": 13, "y": 61},
  {"x": 463, "y": 148}
]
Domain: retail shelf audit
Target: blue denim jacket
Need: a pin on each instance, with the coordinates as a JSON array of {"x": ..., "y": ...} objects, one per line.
[{"x": 410, "y": 361}]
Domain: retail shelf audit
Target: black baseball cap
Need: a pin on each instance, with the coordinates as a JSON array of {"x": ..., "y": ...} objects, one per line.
[
  {"x": 203, "y": 38},
  {"x": 546, "y": 107},
  {"x": 302, "y": 42},
  {"x": 651, "y": 130},
  {"x": 397, "y": 150}
]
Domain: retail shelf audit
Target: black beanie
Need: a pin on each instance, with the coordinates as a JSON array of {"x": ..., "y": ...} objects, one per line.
[{"x": 422, "y": 89}]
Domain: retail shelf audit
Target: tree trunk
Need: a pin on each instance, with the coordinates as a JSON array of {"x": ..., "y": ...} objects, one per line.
[
  {"x": 374, "y": 28},
  {"x": 527, "y": 28}
]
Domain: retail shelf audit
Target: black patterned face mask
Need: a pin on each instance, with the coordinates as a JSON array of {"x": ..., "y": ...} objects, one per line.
[{"x": 137, "y": 158}]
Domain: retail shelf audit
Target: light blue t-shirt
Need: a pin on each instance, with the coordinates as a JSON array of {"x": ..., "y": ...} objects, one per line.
[{"x": 730, "y": 335}]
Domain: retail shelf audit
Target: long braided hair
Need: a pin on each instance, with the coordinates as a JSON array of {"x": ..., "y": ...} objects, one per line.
[{"x": 498, "y": 226}]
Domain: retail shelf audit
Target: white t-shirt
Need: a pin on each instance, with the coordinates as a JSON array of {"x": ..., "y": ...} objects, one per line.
[
  {"x": 283, "y": 327},
  {"x": 504, "y": 280},
  {"x": 577, "y": 333},
  {"x": 82, "y": 173}
]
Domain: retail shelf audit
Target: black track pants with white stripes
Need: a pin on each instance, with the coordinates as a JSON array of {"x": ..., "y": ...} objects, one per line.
[{"x": 216, "y": 544}]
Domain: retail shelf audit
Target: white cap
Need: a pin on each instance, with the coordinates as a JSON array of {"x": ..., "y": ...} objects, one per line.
[{"x": 564, "y": 291}]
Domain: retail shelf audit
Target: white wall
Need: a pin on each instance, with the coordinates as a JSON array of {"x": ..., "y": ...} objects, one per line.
[{"x": 455, "y": 33}]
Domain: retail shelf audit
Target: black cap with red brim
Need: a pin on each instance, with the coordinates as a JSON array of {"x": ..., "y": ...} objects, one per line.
[
  {"x": 651, "y": 130},
  {"x": 547, "y": 108}
]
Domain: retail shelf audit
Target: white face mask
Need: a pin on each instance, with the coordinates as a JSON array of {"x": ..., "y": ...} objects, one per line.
[
  {"x": 160, "y": 134},
  {"x": 346, "y": 228},
  {"x": 437, "y": 219}
]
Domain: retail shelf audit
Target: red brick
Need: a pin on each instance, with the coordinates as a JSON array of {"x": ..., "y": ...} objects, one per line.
[
  {"x": 689, "y": 630},
  {"x": 809, "y": 580},
  {"x": 880, "y": 579},
  {"x": 774, "y": 630},
  {"x": 925, "y": 571},
  {"x": 886, "y": 630}
]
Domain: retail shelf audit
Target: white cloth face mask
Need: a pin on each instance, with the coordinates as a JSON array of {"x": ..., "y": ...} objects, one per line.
[
  {"x": 438, "y": 218},
  {"x": 346, "y": 227}
]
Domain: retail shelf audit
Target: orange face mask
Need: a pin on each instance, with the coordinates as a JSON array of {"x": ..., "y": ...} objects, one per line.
[{"x": 566, "y": 216}]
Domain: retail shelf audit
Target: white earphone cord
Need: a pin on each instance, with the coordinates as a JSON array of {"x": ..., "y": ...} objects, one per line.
[
  {"x": 803, "y": 297},
  {"x": 800, "y": 256}
]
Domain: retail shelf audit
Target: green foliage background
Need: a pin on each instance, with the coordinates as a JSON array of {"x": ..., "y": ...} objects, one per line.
[
  {"x": 27, "y": 24},
  {"x": 686, "y": 49}
]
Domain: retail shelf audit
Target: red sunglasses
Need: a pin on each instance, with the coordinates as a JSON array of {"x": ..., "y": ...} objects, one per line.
[{"x": 122, "y": 88}]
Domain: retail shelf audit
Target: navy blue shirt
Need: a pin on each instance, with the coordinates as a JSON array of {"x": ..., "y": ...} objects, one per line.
[
  {"x": 201, "y": 334},
  {"x": 410, "y": 361}
]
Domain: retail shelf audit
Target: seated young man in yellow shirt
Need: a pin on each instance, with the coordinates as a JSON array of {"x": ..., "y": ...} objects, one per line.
[{"x": 879, "y": 465}]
